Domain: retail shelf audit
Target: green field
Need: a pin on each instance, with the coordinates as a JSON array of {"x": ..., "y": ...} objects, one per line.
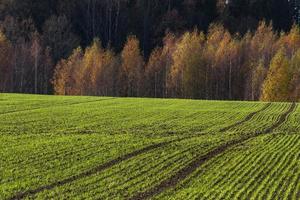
[{"x": 125, "y": 148}]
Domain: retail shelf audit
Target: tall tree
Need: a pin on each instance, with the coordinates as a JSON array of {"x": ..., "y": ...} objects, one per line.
[
  {"x": 68, "y": 75},
  {"x": 155, "y": 74},
  {"x": 276, "y": 85},
  {"x": 188, "y": 70},
  {"x": 132, "y": 66},
  {"x": 36, "y": 50},
  {"x": 294, "y": 87},
  {"x": 258, "y": 76},
  {"x": 261, "y": 48},
  {"x": 92, "y": 66},
  {"x": 5, "y": 63}
]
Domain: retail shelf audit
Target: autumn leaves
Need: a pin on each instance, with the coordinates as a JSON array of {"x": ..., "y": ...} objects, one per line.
[{"x": 263, "y": 65}]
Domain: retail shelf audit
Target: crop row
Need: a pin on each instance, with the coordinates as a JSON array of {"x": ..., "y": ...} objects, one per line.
[
  {"x": 48, "y": 145},
  {"x": 145, "y": 182},
  {"x": 292, "y": 126},
  {"x": 265, "y": 168},
  {"x": 126, "y": 115},
  {"x": 262, "y": 119},
  {"x": 22, "y": 171},
  {"x": 134, "y": 175},
  {"x": 25, "y": 172},
  {"x": 193, "y": 166},
  {"x": 38, "y": 159}
]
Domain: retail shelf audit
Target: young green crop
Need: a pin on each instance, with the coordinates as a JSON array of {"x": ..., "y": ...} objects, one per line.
[
  {"x": 264, "y": 168},
  {"x": 57, "y": 147}
]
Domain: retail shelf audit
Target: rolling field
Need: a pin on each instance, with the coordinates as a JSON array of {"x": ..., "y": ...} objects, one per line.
[{"x": 125, "y": 148}]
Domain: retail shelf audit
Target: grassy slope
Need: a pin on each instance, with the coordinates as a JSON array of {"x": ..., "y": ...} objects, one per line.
[{"x": 45, "y": 139}]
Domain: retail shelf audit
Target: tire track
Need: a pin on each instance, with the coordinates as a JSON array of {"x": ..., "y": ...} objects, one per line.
[
  {"x": 89, "y": 172},
  {"x": 250, "y": 166},
  {"x": 242, "y": 162},
  {"x": 193, "y": 166},
  {"x": 247, "y": 118},
  {"x": 118, "y": 160}
]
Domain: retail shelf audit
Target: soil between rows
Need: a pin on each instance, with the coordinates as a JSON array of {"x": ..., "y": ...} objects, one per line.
[{"x": 165, "y": 184}]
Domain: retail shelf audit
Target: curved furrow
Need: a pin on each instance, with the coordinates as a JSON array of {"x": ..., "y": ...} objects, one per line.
[
  {"x": 260, "y": 174},
  {"x": 203, "y": 182},
  {"x": 276, "y": 172},
  {"x": 89, "y": 172},
  {"x": 248, "y": 170},
  {"x": 133, "y": 167},
  {"x": 61, "y": 166},
  {"x": 251, "y": 172},
  {"x": 179, "y": 162},
  {"x": 296, "y": 193},
  {"x": 219, "y": 175},
  {"x": 247, "y": 118},
  {"x": 235, "y": 176},
  {"x": 105, "y": 166},
  {"x": 193, "y": 166},
  {"x": 242, "y": 162}
]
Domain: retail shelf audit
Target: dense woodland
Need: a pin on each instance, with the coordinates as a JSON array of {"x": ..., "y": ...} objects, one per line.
[{"x": 204, "y": 49}]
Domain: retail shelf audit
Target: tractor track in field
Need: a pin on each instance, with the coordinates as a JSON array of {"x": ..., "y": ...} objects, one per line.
[
  {"x": 64, "y": 104},
  {"x": 247, "y": 118},
  {"x": 90, "y": 172},
  {"x": 185, "y": 172},
  {"x": 120, "y": 159}
]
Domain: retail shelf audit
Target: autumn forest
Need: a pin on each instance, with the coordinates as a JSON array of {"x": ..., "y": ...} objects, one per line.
[{"x": 223, "y": 50}]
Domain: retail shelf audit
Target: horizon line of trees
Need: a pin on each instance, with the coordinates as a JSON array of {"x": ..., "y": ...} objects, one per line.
[
  {"x": 259, "y": 65},
  {"x": 263, "y": 65},
  {"x": 38, "y": 36}
]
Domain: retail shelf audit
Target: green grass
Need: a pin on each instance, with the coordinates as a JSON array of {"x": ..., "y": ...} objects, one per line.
[{"x": 48, "y": 139}]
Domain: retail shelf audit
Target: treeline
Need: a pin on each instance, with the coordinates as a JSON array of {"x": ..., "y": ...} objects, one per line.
[
  {"x": 217, "y": 65},
  {"x": 25, "y": 67},
  {"x": 38, "y": 38}
]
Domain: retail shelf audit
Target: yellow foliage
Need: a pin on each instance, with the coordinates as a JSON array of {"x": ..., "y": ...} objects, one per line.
[
  {"x": 68, "y": 75},
  {"x": 92, "y": 66},
  {"x": 276, "y": 85},
  {"x": 188, "y": 62},
  {"x": 132, "y": 66}
]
